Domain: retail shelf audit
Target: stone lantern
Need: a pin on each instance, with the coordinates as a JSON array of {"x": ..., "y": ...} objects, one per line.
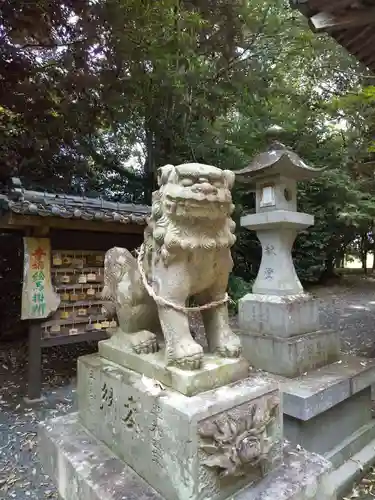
[
  {"x": 273, "y": 317},
  {"x": 280, "y": 331},
  {"x": 273, "y": 176}
]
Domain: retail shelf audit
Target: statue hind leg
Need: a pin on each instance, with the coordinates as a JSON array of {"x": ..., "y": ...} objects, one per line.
[
  {"x": 139, "y": 326},
  {"x": 136, "y": 311}
]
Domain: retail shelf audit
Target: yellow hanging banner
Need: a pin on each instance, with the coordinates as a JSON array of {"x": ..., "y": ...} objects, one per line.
[{"x": 38, "y": 297}]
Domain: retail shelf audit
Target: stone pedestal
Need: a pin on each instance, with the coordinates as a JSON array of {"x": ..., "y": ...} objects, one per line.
[
  {"x": 292, "y": 356},
  {"x": 279, "y": 316},
  {"x": 85, "y": 469},
  {"x": 215, "y": 371},
  {"x": 327, "y": 396},
  {"x": 281, "y": 335},
  {"x": 136, "y": 438},
  {"x": 182, "y": 446},
  {"x": 329, "y": 411}
]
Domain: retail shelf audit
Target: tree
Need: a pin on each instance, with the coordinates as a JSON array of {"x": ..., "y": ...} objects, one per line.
[
  {"x": 97, "y": 95},
  {"x": 53, "y": 124}
]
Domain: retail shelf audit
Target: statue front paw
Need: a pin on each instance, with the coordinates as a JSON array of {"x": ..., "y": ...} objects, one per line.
[
  {"x": 229, "y": 352},
  {"x": 144, "y": 342},
  {"x": 189, "y": 363},
  {"x": 186, "y": 356},
  {"x": 228, "y": 345}
]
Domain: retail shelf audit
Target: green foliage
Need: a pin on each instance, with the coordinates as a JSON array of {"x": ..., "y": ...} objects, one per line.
[
  {"x": 96, "y": 95},
  {"x": 237, "y": 288}
]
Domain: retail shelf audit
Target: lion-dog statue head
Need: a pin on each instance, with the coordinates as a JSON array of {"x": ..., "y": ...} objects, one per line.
[{"x": 192, "y": 209}]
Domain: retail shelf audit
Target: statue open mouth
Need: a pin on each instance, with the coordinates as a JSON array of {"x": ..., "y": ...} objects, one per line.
[{"x": 213, "y": 208}]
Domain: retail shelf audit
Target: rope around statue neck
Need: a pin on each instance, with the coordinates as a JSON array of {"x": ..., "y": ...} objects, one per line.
[{"x": 163, "y": 302}]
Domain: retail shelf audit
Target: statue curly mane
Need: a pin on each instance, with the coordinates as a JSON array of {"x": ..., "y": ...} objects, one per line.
[{"x": 190, "y": 211}]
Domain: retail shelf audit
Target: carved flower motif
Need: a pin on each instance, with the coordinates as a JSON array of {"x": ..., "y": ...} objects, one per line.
[{"x": 232, "y": 445}]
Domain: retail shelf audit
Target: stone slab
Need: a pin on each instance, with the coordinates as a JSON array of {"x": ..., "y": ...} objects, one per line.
[
  {"x": 333, "y": 429},
  {"x": 215, "y": 371},
  {"x": 343, "y": 478},
  {"x": 361, "y": 371},
  {"x": 329, "y": 410},
  {"x": 278, "y": 219},
  {"x": 165, "y": 436},
  {"x": 352, "y": 445},
  {"x": 83, "y": 468},
  {"x": 303, "y": 476},
  {"x": 291, "y": 357},
  {"x": 313, "y": 393},
  {"x": 279, "y": 316}
]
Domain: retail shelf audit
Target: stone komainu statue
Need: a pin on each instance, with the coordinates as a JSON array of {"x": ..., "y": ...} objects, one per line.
[{"x": 186, "y": 253}]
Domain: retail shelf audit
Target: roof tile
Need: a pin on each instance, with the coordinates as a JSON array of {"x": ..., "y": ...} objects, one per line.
[{"x": 73, "y": 207}]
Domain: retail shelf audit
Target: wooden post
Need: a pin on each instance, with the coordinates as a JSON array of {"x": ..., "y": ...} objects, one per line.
[{"x": 34, "y": 369}]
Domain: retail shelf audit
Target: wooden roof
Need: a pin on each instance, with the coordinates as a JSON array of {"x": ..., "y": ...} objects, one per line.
[
  {"x": 350, "y": 22},
  {"x": 74, "y": 207},
  {"x": 28, "y": 207}
]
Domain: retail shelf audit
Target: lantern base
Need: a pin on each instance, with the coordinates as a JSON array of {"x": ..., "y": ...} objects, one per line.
[
  {"x": 293, "y": 356},
  {"x": 279, "y": 316}
]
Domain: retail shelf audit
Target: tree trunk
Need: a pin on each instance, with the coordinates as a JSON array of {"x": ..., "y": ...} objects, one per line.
[
  {"x": 330, "y": 265},
  {"x": 340, "y": 260},
  {"x": 364, "y": 261},
  {"x": 329, "y": 269},
  {"x": 149, "y": 167},
  {"x": 364, "y": 252}
]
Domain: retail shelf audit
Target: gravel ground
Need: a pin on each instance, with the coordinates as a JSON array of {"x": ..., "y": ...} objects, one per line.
[
  {"x": 349, "y": 307},
  {"x": 21, "y": 477}
]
